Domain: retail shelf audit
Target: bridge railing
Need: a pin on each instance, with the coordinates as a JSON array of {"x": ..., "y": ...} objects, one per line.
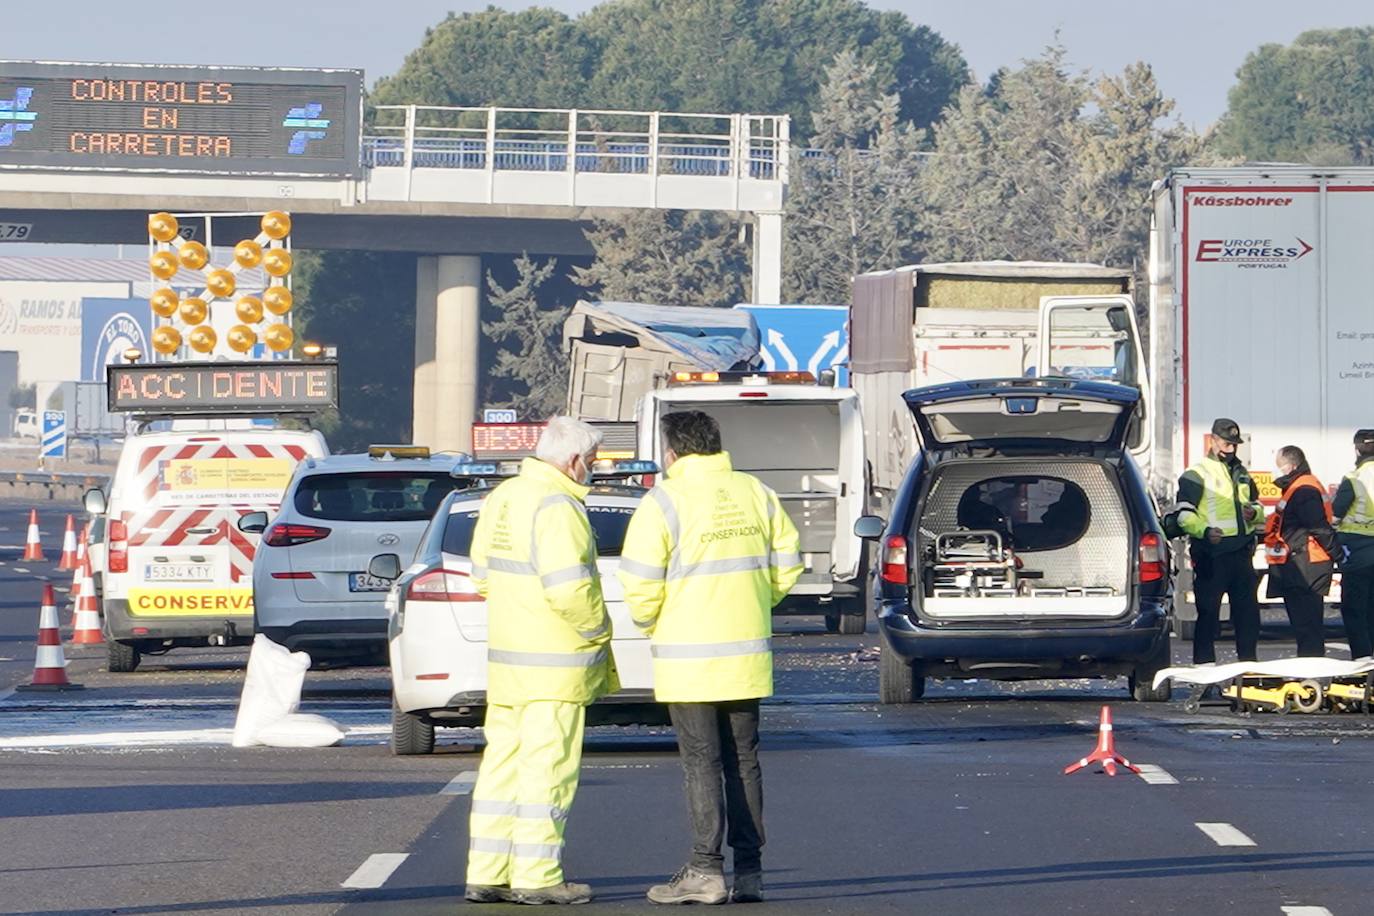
[{"x": 576, "y": 140}]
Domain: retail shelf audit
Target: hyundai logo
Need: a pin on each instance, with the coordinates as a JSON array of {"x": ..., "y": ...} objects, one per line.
[{"x": 388, "y": 540}]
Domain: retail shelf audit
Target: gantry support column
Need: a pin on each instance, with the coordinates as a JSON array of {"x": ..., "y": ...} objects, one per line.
[
  {"x": 767, "y": 258},
  {"x": 448, "y": 298}
]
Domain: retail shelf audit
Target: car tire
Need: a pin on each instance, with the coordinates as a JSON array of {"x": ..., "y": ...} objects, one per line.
[
  {"x": 832, "y": 623},
  {"x": 410, "y": 735},
  {"x": 1141, "y": 681},
  {"x": 1186, "y": 629},
  {"x": 898, "y": 679},
  {"x": 121, "y": 657}
]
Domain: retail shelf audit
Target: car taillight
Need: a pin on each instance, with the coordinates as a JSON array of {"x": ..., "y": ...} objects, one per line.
[
  {"x": 284, "y": 535},
  {"x": 442, "y": 585},
  {"x": 117, "y": 556},
  {"x": 894, "y": 568},
  {"x": 1151, "y": 558}
]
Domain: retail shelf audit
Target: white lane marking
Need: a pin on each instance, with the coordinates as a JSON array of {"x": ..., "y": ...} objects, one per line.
[
  {"x": 1225, "y": 835},
  {"x": 155, "y": 738},
  {"x": 20, "y": 569},
  {"x": 378, "y": 867},
  {"x": 1156, "y": 775},
  {"x": 1306, "y": 911},
  {"x": 461, "y": 784}
]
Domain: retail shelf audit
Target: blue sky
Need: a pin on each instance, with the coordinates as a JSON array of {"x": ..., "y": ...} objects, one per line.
[{"x": 1194, "y": 47}]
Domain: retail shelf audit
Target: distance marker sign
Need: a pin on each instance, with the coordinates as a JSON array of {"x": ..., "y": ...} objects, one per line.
[
  {"x": 201, "y": 119},
  {"x": 233, "y": 389}
]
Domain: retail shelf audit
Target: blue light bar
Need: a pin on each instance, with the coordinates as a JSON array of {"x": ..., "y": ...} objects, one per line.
[
  {"x": 475, "y": 469},
  {"x": 624, "y": 468}
]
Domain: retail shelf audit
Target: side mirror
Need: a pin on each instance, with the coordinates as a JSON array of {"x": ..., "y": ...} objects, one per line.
[
  {"x": 253, "y": 523},
  {"x": 869, "y": 527},
  {"x": 94, "y": 502},
  {"x": 385, "y": 566}
]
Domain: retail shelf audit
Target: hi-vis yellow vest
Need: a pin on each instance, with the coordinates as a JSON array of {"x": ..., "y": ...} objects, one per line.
[
  {"x": 707, "y": 555},
  {"x": 1359, "y": 518},
  {"x": 1219, "y": 501},
  {"x": 534, "y": 558}
]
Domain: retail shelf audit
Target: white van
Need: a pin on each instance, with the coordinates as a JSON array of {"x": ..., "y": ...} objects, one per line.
[
  {"x": 175, "y": 569},
  {"x": 26, "y": 425},
  {"x": 804, "y": 440}
]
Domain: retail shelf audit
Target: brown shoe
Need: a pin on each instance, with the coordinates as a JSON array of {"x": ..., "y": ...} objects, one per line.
[
  {"x": 690, "y": 886},
  {"x": 487, "y": 893},
  {"x": 564, "y": 893}
]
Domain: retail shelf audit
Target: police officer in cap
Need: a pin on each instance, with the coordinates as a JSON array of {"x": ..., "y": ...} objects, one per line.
[
  {"x": 1353, "y": 508},
  {"x": 1219, "y": 510}
]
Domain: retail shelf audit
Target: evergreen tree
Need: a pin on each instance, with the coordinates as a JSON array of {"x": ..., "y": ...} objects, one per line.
[
  {"x": 850, "y": 205},
  {"x": 530, "y": 337},
  {"x": 668, "y": 257}
]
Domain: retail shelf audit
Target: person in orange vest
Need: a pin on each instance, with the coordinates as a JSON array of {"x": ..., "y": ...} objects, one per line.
[{"x": 1299, "y": 545}]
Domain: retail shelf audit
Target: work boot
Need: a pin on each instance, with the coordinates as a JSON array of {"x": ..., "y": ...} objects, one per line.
[
  {"x": 565, "y": 893},
  {"x": 748, "y": 888},
  {"x": 690, "y": 886},
  {"x": 487, "y": 893}
]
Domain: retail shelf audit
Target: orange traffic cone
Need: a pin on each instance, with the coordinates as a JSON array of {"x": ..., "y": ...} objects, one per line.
[
  {"x": 86, "y": 623},
  {"x": 1105, "y": 753},
  {"x": 76, "y": 576},
  {"x": 49, "y": 664},
  {"x": 33, "y": 548},
  {"x": 69, "y": 558}
]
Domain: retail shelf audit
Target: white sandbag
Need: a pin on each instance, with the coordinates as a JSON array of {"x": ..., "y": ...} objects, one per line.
[
  {"x": 301, "y": 729},
  {"x": 271, "y": 688},
  {"x": 1293, "y": 669}
]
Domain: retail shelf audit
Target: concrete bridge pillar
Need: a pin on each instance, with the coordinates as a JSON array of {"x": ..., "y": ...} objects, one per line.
[{"x": 448, "y": 299}]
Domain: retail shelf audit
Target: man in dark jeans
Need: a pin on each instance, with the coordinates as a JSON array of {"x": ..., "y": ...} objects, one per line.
[
  {"x": 707, "y": 555},
  {"x": 1219, "y": 509}
]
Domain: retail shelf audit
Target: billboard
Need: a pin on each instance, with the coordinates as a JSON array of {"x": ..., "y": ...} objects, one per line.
[
  {"x": 151, "y": 117},
  {"x": 41, "y": 320},
  {"x": 108, "y": 328}
]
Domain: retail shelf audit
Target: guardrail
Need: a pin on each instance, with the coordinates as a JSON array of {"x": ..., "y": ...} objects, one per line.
[
  {"x": 575, "y": 140},
  {"x": 48, "y": 484}
]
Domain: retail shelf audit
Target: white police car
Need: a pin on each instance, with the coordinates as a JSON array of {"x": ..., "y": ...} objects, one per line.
[
  {"x": 311, "y": 587},
  {"x": 438, "y": 621}
]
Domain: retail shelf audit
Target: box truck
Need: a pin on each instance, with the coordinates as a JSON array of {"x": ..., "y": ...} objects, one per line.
[
  {"x": 1261, "y": 301},
  {"x": 927, "y": 324}
]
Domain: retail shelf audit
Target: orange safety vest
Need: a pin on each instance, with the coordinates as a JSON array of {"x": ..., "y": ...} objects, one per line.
[{"x": 1276, "y": 550}]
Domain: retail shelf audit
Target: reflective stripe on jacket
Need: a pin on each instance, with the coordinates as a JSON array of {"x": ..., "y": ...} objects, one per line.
[
  {"x": 707, "y": 555},
  {"x": 534, "y": 558}
]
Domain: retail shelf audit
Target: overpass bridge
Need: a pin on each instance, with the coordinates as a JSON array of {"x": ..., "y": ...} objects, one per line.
[{"x": 451, "y": 184}]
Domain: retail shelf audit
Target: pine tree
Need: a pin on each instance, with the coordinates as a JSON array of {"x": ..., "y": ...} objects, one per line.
[
  {"x": 668, "y": 257},
  {"x": 530, "y": 340},
  {"x": 850, "y": 204}
]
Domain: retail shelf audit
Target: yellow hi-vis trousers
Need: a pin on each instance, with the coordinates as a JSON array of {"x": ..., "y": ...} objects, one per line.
[{"x": 524, "y": 789}]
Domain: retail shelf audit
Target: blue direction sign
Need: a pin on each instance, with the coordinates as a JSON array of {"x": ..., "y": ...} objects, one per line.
[
  {"x": 803, "y": 337},
  {"x": 54, "y": 441}
]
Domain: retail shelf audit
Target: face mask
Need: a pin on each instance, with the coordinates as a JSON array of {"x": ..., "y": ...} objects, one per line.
[{"x": 585, "y": 478}]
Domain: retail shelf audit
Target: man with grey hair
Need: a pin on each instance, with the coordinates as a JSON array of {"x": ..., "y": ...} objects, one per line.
[{"x": 548, "y": 656}]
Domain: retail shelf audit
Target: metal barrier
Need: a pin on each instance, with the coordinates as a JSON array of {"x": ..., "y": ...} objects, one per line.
[{"x": 573, "y": 140}]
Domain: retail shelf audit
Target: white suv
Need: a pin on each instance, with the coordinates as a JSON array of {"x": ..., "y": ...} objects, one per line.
[
  {"x": 311, "y": 588},
  {"x": 438, "y": 621},
  {"x": 26, "y": 425}
]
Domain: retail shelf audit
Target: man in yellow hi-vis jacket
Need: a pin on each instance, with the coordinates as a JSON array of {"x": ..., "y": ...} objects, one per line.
[
  {"x": 548, "y": 656},
  {"x": 707, "y": 555}
]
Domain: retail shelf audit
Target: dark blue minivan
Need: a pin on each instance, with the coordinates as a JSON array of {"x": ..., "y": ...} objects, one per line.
[{"x": 1023, "y": 542}]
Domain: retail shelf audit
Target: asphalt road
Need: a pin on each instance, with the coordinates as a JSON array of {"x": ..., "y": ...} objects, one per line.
[{"x": 125, "y": 797}]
